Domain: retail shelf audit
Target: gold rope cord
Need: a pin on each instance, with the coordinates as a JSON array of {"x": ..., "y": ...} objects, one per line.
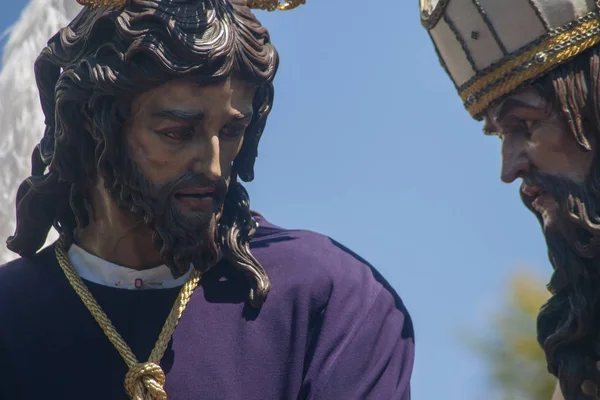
[{"x": 144, "y": 381}]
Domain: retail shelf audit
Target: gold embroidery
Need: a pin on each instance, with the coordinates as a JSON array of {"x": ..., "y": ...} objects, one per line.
[{"x": 539, "y": 59}]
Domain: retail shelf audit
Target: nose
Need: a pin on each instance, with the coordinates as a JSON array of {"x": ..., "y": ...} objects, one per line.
[
  {"x": 515, "y": 162},
  {"x": 207, "y": 160}
]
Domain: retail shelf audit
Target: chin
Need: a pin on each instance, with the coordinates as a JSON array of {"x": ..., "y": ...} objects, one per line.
[{"x": 195, "y": 214}]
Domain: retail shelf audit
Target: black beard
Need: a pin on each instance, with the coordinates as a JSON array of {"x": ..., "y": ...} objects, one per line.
[
  {"x": 181, "y": 239},
  {"x": 577, "y": 220},
  {"x": 569, "y": 323}
]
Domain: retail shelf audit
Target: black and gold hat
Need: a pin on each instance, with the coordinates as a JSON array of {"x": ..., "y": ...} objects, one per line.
[{"x": 489, "y": 48}]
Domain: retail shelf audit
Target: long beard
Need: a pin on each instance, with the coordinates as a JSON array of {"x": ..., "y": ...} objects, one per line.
[
  {"x": 569, "y": 323},
  {"x": 180, "y": 238},
  {"x": 578, "y": 219}
]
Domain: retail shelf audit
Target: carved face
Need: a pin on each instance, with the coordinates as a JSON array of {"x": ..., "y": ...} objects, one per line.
[
  {"x": 181, "y": 140},
  {"x": 185, "y": 128},
  {"x": 538, "y": 146}
]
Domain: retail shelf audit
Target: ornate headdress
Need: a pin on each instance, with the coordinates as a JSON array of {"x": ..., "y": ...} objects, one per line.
[
  {"x": 491, "y": 47},
  {"x": 269, "y": 5}
]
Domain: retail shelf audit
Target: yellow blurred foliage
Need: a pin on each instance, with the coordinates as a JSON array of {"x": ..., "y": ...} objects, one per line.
[
  {"x": 528, "y": 292},
  {"x": 516, "y": 363}
]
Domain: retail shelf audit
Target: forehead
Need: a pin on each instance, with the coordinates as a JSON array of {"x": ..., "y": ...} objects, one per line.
[
  {"x": 185, "y": 93},
  {"x": 528, "y": 96}
]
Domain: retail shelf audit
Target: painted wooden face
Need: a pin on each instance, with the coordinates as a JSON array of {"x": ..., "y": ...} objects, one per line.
[
  {"x": 184, "y": 127},
  {"x": 537, "y": 146}
]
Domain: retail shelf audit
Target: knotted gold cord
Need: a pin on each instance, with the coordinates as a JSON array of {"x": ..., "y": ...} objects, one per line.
[
  {"x": 144, "y": 381},
  {"x": 269, "y": 5}
]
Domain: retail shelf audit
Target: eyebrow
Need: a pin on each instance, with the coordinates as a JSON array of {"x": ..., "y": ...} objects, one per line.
[
  {"x": 503, "y": 110},
  {"x": 509, "y": 105},
  {"x": 180, "y": 115}
]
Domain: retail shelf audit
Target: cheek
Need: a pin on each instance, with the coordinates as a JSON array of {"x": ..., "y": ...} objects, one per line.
[
  {"x": 152, "y": 157},
  {"x": 229, "y": 150},
  {"x": 553, "y": 150}
]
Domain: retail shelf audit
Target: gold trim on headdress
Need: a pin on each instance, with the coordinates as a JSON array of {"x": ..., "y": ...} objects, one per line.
[
  {"x": 430, "y": 14},
  {"x": 556, "y": 48},
  {"x": 268, "y": 5},
  {"x": 272, "y": 5}
]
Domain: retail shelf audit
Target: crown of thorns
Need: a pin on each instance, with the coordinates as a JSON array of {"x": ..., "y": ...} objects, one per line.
[{"x": 269, "y": 5}]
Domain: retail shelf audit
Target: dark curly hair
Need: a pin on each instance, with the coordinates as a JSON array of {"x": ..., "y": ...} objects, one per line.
[
  {"x": 569, "y": 323},
  {"x": 87, "y": 76}
]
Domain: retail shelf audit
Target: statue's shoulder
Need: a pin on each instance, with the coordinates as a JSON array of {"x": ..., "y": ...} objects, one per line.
[
  {"x": 26, "y": 280},
  {"x": 305, "y": 263}
]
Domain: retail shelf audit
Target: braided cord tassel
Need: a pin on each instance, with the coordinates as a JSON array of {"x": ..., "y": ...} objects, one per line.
[{"x": 143, "y": 381}]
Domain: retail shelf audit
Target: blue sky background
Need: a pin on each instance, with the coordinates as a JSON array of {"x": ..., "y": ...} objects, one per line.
[{"x": 369, "y": 143}]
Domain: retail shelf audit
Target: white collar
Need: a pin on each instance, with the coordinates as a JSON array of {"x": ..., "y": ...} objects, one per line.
[{"x": 102, "y": 272}]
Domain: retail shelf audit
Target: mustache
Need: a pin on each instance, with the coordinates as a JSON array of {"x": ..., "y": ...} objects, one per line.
[
  {"x": 189, "y": 180},
  {"x": 558, "y": 187},
  {"x": 568, "y": 194},
  {"x": 579, "y": 222}
]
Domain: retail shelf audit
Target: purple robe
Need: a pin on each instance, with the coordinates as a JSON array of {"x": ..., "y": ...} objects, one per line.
[{"x": 331, "y": 328}]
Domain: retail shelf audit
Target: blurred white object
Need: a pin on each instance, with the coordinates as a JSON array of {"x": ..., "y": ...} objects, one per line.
[{"x": 21, "y": 116}]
